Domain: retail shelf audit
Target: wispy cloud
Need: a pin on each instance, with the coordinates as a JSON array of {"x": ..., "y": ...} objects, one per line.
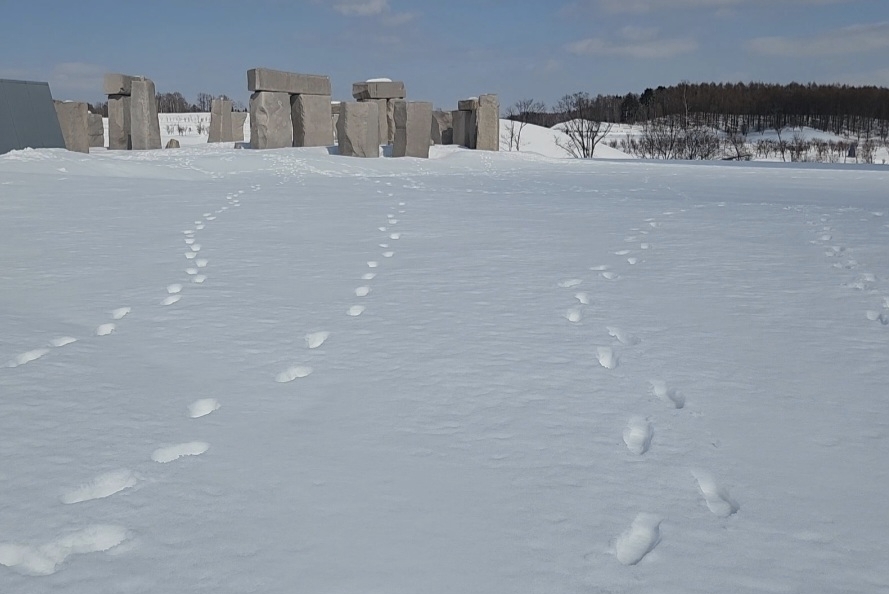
[
  {"x": 642, "y": 6},
  {"x": 855, "y": 39},
  {"x": 362, "y": 7},
  {"x": 634, "y": 42}
]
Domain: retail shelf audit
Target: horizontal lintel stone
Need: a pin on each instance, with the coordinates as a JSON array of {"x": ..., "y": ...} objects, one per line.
[
  {"x": 378, "y": 90},
  {"x": 277, "y": 81}
]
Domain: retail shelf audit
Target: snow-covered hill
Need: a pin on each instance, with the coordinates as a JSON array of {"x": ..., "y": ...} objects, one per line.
[{"x": 233, "y": 371}]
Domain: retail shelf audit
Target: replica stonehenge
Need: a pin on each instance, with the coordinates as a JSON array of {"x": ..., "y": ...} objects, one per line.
[
  {"x": 291, "y": 109},
  {"x": 132, "y": 113}
]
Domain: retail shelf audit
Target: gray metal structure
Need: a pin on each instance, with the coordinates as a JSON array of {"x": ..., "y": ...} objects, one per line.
[{"x": 28, "y": 117}]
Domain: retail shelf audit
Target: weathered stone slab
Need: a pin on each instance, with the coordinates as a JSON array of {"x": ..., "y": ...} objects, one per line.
[
  {"x": 220, "y": 121},
  {"x": 119, "y": 84},
  {"x": 378, "y": 90},
  {"x": 96, "y": 130},
  {"x": 270, "y": 123},
  {"x": 172, "y": 143},
  {"x": 145, "y": 128},
  {"x": 119, "y": 137},
  {"x": 412, "y": 130},
  {"x": 486, "y": 124},
  {"x": 461, "y": 127},
  {"x": 312, "y": 120},
  {"x": 390, "y": 119},
  {"x": 442, "y": 131},
  {"x": 383, "y": 118},
  {"x": 470, "y": 104},
  {"x": 74, "y": 121},
  {"x": 358, "y": 130},
  {"x": 277, "y": 81},
  {"x": 239, "y": 118}
]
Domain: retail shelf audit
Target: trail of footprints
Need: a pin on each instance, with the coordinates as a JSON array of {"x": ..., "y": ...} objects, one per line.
[
  {"x": 316, "y": 339},
  {"x": 865, "y": 281},
  {"x": 46, "y": 559},
  {"x": 643, "y": 534}
]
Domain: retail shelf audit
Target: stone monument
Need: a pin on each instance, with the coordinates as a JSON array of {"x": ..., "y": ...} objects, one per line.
[
  {"x": 221, "y": 121},
  {"x": 358, "y": 130},
  {"x": 132, "y": 113},
  {"x": 384, "y": 93},
  {"x": 442, "y": 127},
  {"x": 412, "y": 129},
  {"x": 96, "y": 130},
  {"x": 238, "y": 120},
  {"x": 289, "y": 109},
  {"x": 74, "y": 122}
]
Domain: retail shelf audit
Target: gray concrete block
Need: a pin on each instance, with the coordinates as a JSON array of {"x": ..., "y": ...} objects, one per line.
[
  {"x": 461, "y": 127},
  {"x": 119, "y": 137},
  {"x": 220, "y": 121},
  {"x": 119, "y": 84},
  {"x": 442, "y": 129},
  {"x": 468, "y": 104},
  {"x": 74, "y": 122},
  {"x": 96, "y": 132},
  {"x": 264, "y": 79},
  {"x": 145, "y": 128},
  {"x": 378, "y": 90},
  {"x": 312, "y": 120},
  {"x": 486, "y": 124},
  {"x": 358, "y": 129},
  {"x": 270, "y": 123},
  {"x": 412, "y": 130},
  {"x": 239, "y": 118}
]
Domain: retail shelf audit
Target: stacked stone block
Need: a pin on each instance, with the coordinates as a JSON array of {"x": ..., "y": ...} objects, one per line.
[
  {"x": 132, "y": 113},
  {"x": 358, "y": 131},
  {"x": 413, "y": 134},
  {"x": 289, "y": 109},
  {"x": 74, "y": 122},
  {"x": 442, "y": 131},
  {"x": 221, "y": 129},
  {"x": 477, "y": 123},
  {"x": 384, "y": 94}
]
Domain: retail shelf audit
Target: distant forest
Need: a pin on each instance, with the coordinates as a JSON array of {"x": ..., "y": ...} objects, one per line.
[
  {"x": 176, "y": 103},
  {"x": 739, "y": 107}
]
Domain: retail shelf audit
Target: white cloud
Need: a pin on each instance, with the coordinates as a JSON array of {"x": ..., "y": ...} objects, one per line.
[
  {"x": 634, "y": 42},
  {"x": 641, "y": 6},
  {"x": 362, "y": 7},
  {"x": 856, "y": 39}
]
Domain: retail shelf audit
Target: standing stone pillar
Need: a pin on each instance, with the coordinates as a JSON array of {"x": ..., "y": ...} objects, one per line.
[
  {"x": 461, "y": 127},
  {"x": 358, "y": 131},
  {"x": 74, "y": 121},
  {"x": 308, "y": 109},
  {"x": 119, "y": 87},
  {"x": 146, "y": 130},
  {"x": 239, "y": 118},
  {"x": 383, "y": 93},
  {"x": 469, "y": 107},
  {"x": 270, "y": 124},
  {"x": 96, "y": 130},
  {"x": 312, "y": 120},
  {"x": 335, "y": 111},
  {"x": 486, "y": 123},
  {"x": 412, "y": 130},
  {"x": 220, "y": 121}
]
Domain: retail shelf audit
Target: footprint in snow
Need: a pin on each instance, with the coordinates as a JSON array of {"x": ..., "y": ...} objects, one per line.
[
  {"x": 199, "y": 278},
  {"x": 669, "y": 395},
  {"x": 718, "y": 499},
  {"x": 105, "y": 329},
  {"x": 395, "y": 236},
  {"x": 174, "y": 288},
  {"x": 621, "y": 252},
  {"x": 171, "y": 299},
  {"x": 62, "y": 341},
  {"x": 27, "y": 357},
  {"x": 573, "y": 315},
  {"x": 202, "y": 262},
  {"x": 600, "y": 268},
  {"x": 393, "y": 221},
  {"x": 639, "y": 539},
  {"x": 610, "y": 275},
  {"x": 316, "y": 339},
  {"x": 362, "y": 291},
  {"x": 368, "y": 276},
  {"x": 293, "y": 373},
  {"x": 877, "y": 316},
  {"x": 46, "y": 559},
  {"x": 190, "y": 255},
  {"x": 195, "y": 247},
  {"x": 203, "y": 407},
  {"x": 372, "y": 264},
  {"x": 638, "y": 434},
  {"x": 384, "y": 245},
  {"x": 622, "y": 336},
  {"x": 644, "y": 246},
  {"x": 174, "y": 452},
  {"x": 571, "y": 282},
  {"x": 189, "y": 240},
  {"x": 120, "y": 313},
  {"x": 607, "y": 357},
  {"x": 104, "y": 485},
  {"x": 388, "y": 254},
  {"x": 355, "y": 310},
  {"x": 583, "y": 298},
  {"x": 191, "y": 271},
  {"x": 632, "y": 260}
]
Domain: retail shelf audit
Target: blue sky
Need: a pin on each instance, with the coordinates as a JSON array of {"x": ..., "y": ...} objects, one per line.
[{"x": 447, "y": 49}]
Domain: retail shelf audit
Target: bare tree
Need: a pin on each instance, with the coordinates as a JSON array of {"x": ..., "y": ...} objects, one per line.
[
  {"x": 584, "y": 127},
  {"x": 518, "y": 115}
]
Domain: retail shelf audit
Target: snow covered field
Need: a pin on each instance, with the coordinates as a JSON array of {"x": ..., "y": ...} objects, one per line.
[{"x": 285, "y": 371}]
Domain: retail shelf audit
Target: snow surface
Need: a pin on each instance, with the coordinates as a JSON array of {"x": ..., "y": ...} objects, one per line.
[{"x": 560, "y": 376}]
